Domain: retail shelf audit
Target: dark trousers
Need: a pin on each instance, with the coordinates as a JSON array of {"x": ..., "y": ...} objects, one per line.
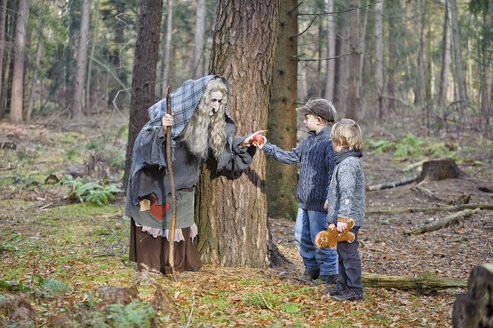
[{"x": 350, "y": 265}]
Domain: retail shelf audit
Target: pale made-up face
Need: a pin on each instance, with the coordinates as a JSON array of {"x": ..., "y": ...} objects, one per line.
[
  {"x": 216, "y": 101},
  {"x": 312, "y": 122}
]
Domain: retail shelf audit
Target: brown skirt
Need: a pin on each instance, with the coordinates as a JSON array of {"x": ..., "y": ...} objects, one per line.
[{"x": 153, "y": 253}]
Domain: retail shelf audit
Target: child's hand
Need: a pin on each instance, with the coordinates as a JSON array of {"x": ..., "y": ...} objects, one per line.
[
  {"x": 255, "y": 139},
  {"x": 167, "y": 120},
  {"x": 326, "y": 205},
  {"x": 341, "y": 226}
]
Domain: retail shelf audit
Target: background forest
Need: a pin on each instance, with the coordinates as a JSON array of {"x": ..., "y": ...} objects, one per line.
[
  {"x": 77, "y": 77},
  {"x": 431, "y": 58}
]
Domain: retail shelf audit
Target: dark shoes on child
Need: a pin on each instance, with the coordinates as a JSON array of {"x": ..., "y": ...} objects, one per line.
[
  {"x": 316, "y": 277},
  {"x": 310, "y": 275},
  {"x": 328, "y": 279},
  {"x": 343, "y": 294}
]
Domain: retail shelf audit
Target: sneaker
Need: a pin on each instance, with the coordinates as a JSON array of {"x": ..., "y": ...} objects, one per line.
[
  {"x": 329, "y": 279},
  {"x": 348, "y": 295},
  {"x": 333, "y": 291},
  {"x": 310, "y": 275}
]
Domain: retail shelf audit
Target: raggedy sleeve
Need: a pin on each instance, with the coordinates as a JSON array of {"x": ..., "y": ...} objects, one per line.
[{"x": 239, "y": 159}]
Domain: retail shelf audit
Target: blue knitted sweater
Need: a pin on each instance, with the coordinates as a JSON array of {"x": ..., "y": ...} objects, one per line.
[{"x": 316, "y": 158}]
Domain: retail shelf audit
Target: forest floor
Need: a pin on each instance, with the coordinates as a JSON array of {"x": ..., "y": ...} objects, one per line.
[{"x": 55, "y": 253}]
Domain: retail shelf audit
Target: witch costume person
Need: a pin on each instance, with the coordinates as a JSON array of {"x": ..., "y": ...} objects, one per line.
[{"x": 201, "y": 127}]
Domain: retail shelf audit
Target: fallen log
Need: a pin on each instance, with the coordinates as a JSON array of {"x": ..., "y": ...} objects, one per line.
[
  {"x": 392, "y": 184},
  {"x": 426, "y": 282},
  {"x": 430, "y": 210},
  {"x": 474, "y": 308},
  {"x": 432, "y": 225}
]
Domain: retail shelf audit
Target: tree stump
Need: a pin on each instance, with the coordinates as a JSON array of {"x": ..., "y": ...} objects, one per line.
[
  {"x": 440, "y": 170},
  {"x": 475, "y": 308}
]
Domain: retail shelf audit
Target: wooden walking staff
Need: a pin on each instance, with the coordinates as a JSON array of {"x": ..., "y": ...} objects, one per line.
[{"x": 173, "y": 190}]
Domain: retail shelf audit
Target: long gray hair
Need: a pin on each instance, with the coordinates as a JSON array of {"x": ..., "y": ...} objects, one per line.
[{"x": 204, "y": 131}]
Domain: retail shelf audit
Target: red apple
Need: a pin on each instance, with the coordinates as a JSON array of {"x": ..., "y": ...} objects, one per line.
[{"x": 258, "y": 138}]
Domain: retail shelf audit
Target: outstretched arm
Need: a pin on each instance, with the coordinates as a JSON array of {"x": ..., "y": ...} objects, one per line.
[{"x": 283, "y": 156}]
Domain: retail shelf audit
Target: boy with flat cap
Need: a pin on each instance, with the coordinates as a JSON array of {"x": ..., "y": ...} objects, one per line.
[{"x": 316, "y": 158}]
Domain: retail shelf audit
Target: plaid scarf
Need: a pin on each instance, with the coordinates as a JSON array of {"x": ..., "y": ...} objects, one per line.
[{"x": 184, "y": 101}]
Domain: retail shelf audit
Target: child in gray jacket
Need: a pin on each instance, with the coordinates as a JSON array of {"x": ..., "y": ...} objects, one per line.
[{"x": 346, "y": 200}]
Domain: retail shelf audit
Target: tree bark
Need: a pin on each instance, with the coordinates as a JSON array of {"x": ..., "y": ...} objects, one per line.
[
  {"x": 419, "y": 86},
  {"x": 281, "y": 179},
  {"x": 232, "y": 213},
  {"x": 30, "y": 102},
  {"x": 352, "y": 102},
  {"x": 167, "y": 48},
  {"x": 81, "y": 70},
  {"x": 120, "y": 81},
  {"x": 3, "y": 16},
  {"x": 379, "y": 56},
  {"x": 473, "y": 309},
  {"x": 89, "y": 68},
  {"x": 342, "y": 69},
  {"x": 463, "y": 98},
  {"x": 331, "y": 52},
  {"x": 428, "y": 71},
  {"x": 144, "y": 76},
  {"x": 362, "y": 42},
  {"x": 445, "y": 69},
  {"x": 16, "y": 101},
  {"x": 198, "y": 58}
]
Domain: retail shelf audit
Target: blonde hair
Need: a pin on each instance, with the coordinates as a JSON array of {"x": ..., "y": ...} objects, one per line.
[
  {"x": 348, "y": 133},
  {"x": 198, "y": 134}
]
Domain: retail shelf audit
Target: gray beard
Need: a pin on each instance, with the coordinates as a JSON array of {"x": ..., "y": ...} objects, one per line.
[{"x": 201, "y": 129}]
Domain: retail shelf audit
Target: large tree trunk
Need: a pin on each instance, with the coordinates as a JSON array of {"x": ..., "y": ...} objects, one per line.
[
  {"x": 474, "y": 309},
  {"x": 144, "y": 77},
  {"x": 445, "y": 69},
  {"x": 232, "y": 214},
  {"x": 281, "y": 179},
  {"x": 463, "y": 98},
  {"x": 3, "y": 16},
  {"x": 198, "y": 57},
  {"x": 8, "y": 59},
  {"x": 89, "y": 66},
  {"x": 362, "y": 57},
  {"x": 419, "y": 88},
  {"x": 167, "y": 48},
  {"x": 80, "y": 74},
  {"x": 379, "y": 56},
  {"x": 342, "y": 69},
  {"x": 331, "y": 52},
  {"x": 16, "y": 101},
  {"x": 428, "y": 71},
  {"x": 352, "y": 102},
  {"x": 118, "y": 39},
  {"x": 30, "y": 103},
  {"x": 393, "y": 39}
]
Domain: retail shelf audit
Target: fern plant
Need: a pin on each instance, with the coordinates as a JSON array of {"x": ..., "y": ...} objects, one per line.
[
  {"x": 90, "y": 190},
  {"x": 50, "y": 287},
  {"x": 133, "y": 315}
]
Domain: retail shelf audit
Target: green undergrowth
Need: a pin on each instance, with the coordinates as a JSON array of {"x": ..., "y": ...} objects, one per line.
[
  {"x": 59, "y": 255},
  {"x": 410, "y": 146}
]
